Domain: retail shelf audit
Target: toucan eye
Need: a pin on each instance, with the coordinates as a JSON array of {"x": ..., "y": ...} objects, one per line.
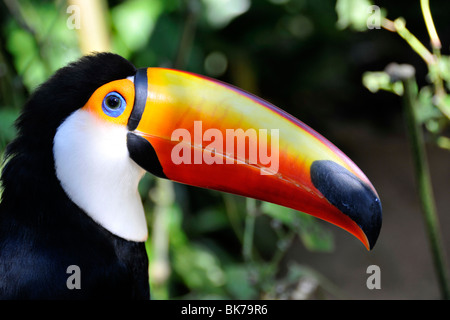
[{"x": 113, "y": 104}]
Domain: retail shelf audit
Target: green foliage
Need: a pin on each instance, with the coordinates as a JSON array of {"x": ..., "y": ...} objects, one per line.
[
  {"x": 310, "y": 231},
  {"x": 353, "y": 14},
  {"x": 7, "y": 131},
  {"x": 134, "y": 22},
  {"x": 433, "y": 100},
  {"x": 39, "y": 40},
  {"x": 427, "y": 107},
  {"x": 375, "y": 81}
]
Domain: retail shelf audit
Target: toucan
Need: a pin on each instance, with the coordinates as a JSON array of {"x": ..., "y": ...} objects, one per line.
[{"x": 86, "y": 137}]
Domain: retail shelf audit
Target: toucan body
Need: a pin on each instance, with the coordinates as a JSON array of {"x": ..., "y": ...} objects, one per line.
[{"x": 88, "y": 134}]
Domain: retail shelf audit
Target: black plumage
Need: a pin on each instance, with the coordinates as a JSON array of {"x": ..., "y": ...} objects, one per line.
[{"x": 42, "y": 232}]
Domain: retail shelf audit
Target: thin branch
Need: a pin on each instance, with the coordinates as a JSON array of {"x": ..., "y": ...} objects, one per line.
[
  {"x": 435, "y": 42},
  {"x": 407, "y": 74},
  {"x": 416, "y": 45}
]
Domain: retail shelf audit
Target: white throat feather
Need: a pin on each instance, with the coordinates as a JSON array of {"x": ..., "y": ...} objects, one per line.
[{"x": 92, "y": 163}]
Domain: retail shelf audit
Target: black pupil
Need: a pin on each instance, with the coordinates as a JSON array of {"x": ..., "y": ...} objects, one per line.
[{"x": 113, "y": 102}]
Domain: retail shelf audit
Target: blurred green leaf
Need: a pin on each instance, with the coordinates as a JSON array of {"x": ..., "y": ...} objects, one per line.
[
  {"x": 220, "y": 12},
  {"x": 239, "y": 283},
  {"x": 312, "y": 234},
  {"x": 283, "y": 214},
  {"x": 44, "y": 46},
  {"x": 444, "y": 67},
  {"x": 426, "y": 112},
  {"x": 443, "y": 142},
  {"x": 199, "y": 268},
  {"x": 440, "y": 70},
  {"x": 210, "y": 219},
  {"x": 22, "y": 45},
  {"x": 444, "y": 103},
  {"x": 7, "y": 130},
  {"x": 357, "y": 14},
  {"x": 375, "y": 81},
  {"x": 134, "y": 21}
]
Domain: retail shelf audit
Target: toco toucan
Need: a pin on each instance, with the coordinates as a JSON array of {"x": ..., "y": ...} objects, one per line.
[{"x": 87, "y": 135}]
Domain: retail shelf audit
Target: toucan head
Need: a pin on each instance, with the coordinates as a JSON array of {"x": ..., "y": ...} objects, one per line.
[{"x": 198, "y": 131}]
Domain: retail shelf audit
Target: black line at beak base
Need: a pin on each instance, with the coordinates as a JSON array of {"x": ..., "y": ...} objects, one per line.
[
  {"x": 140, "y": 98},
  {"x": 143, "y": 153},
  {"x": 350, "y": 195}
]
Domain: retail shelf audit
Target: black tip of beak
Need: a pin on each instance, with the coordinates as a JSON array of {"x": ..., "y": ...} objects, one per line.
[{"x": 350, "y": 195}]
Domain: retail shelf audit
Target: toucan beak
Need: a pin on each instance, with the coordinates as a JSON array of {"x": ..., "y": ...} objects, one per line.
[{"x": 202, "y": 132}]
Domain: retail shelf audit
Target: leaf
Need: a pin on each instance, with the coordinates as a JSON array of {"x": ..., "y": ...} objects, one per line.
[
  {"x": 375, "y": 81},
  {"x": 444, "y": 104},
  {"x": 425, "y": 110},
  {"x": 135, "y": 20},
  {"x": 7, "y": 130},
  {"x": 444, "y": 67},
  {"x": 283, "y": 214},
  {"x": 239, "y": 284},
  {"x": 199, "y": 268},
  {"x": 443, "y": 142},
  {"x": 312, "y": 234},
  {"x": 220, "y": 12},
  {"x": 210, "y": 219},
  {"x": 359, "y": 15}
]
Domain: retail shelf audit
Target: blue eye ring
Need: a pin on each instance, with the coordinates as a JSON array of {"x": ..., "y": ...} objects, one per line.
[{"x": 113, "y": 104}]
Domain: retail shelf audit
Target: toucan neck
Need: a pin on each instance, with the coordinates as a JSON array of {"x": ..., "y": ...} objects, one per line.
[{"x": 93, "y": 165}]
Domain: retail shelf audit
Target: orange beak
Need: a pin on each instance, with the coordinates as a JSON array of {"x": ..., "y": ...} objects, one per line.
[{"x": 201, "y": 132}]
